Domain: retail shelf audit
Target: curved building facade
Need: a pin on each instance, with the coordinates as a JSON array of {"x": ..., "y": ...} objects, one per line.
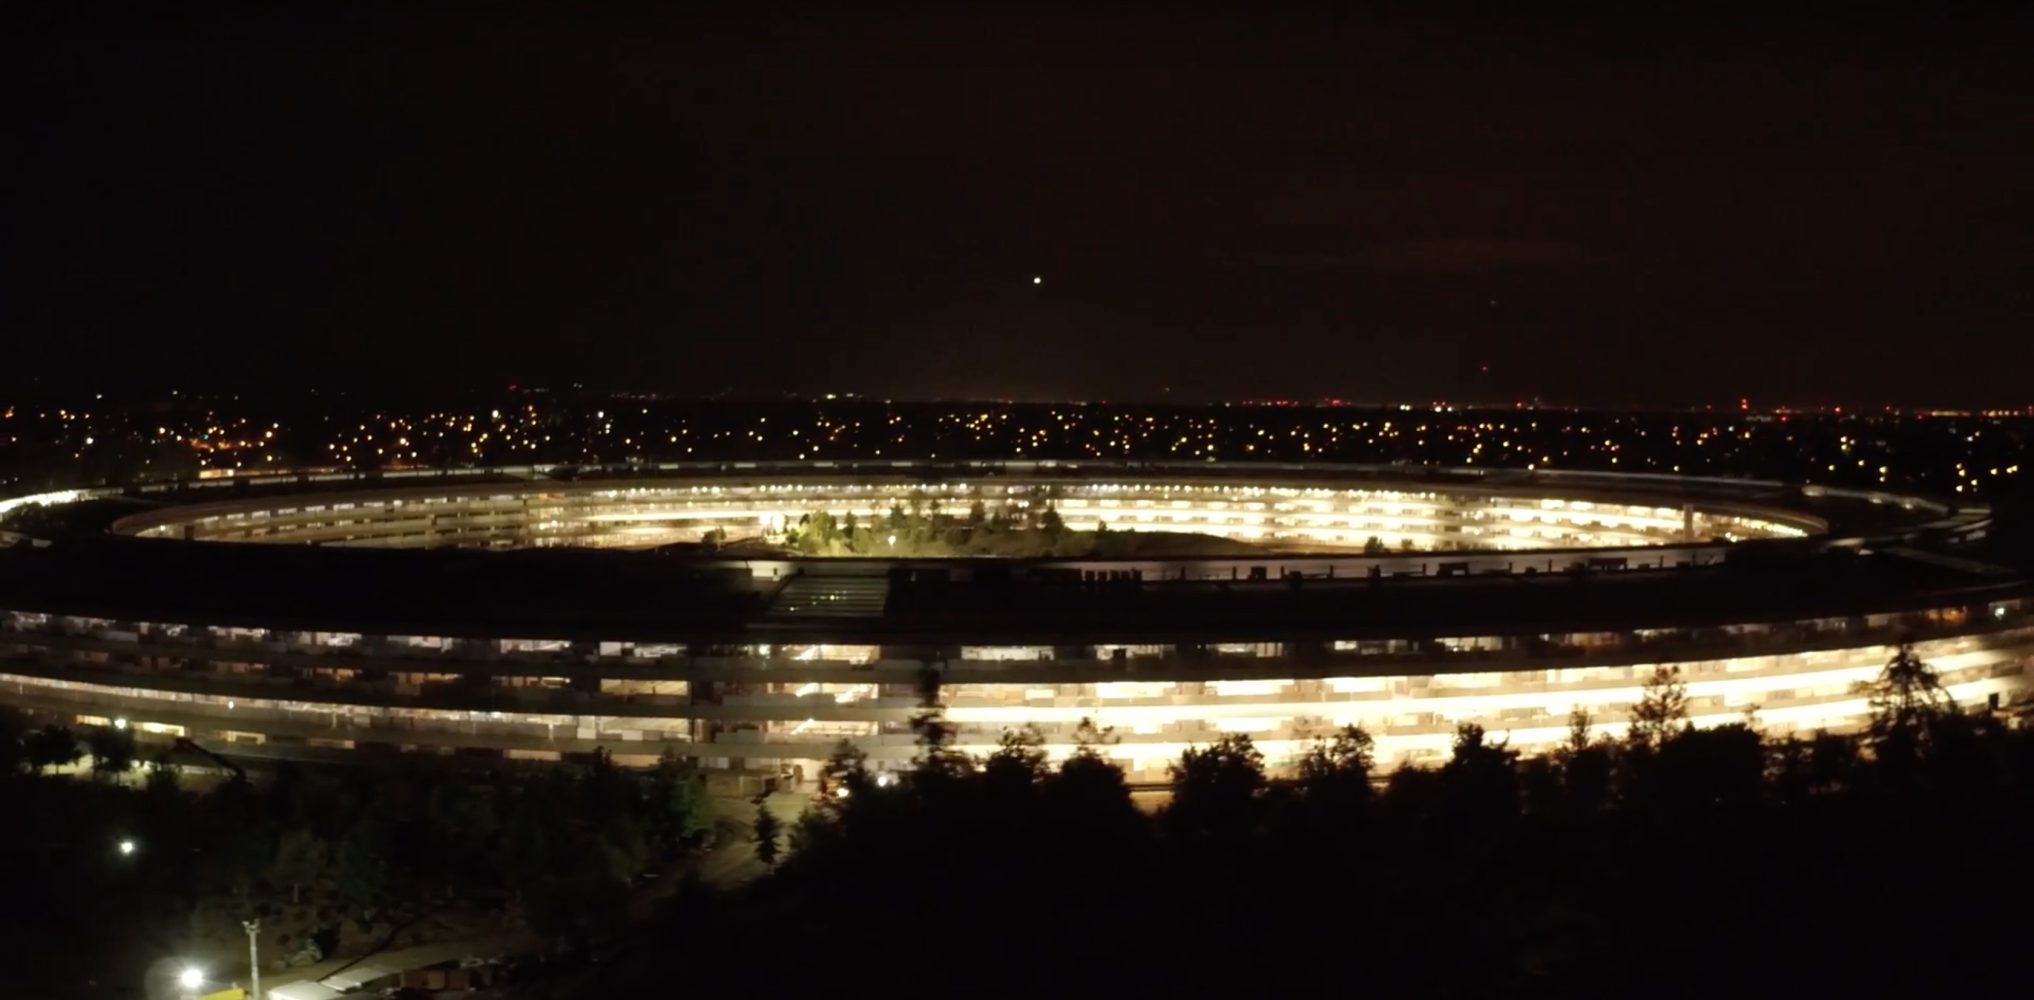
[{"x": 541, "y": 613}]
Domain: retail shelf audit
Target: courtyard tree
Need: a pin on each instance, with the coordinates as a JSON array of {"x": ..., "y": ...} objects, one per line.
[
  {"x": 677, "y": 808},
  {"x": 766, "y": 831},
  {"x": 846, "y": 771},
  {"x": 1052, "y": 525}
]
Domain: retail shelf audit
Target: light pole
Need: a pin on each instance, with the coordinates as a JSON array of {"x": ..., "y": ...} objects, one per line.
[{"x": 253, "y": 956}]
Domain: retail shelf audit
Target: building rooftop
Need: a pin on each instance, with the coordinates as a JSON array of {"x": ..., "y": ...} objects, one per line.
[{"x": 1869, "y": 562}]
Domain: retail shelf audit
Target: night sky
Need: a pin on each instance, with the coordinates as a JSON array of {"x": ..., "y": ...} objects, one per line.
[{"x": 1368, "y": 207}]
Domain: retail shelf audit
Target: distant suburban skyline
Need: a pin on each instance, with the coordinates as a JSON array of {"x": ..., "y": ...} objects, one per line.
[{"x": 1626, "y": 211}]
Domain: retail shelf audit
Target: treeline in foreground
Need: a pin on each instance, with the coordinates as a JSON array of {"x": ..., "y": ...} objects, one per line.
[
  {"x": 130, "y": 869},
  {"x": 1672, "y": 862}
]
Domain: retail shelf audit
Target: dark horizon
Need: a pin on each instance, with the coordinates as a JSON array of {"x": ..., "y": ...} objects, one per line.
[
  {"x": 1613, "y": 211},
  {"x": 151, "y": 394}
]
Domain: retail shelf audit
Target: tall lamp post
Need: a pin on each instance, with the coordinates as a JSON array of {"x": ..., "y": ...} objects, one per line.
[{"x": 253, "y": 956}]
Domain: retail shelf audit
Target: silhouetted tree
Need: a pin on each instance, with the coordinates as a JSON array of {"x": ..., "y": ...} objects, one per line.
[
  {"x": 524, "y": 854},
  {"x": 1541, "y": 787},
  {"x": 1017, "y": 766},
  {"x": 1700, "y": 770},
  {"x": 938, "y": 760},
  {"x": 1480, "y": 776},
  {"x": 1339, "y": 766},
  {"x": 51, "y": 746},
  {"x": 1832, "y": 762},
  {"x": 161, "y": 782},
  {"x": 459, "y": 824},
  {"x": 1214, "y": 788},
  {"x": 1089, "y": 796},
  {"x": 1662, "y": 708},
  {"x": 1351, "y": 751},
  {"x": 301, "y": 858},
  {"x": 1581, "y": 732},
  {"x": 1906, "y": 699},
  {"x": 361, "y": 874},
  {"x": 13, "y": 729},
  {"x": 1586, "y": 765},
  {"x": 112, "y": 751}
]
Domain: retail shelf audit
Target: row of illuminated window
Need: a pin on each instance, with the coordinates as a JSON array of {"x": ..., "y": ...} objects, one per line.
[
  {"x": 282, "y": 640},
  {"x": 1764, "y": 680},
  {"x": 1401, "y": 735}
]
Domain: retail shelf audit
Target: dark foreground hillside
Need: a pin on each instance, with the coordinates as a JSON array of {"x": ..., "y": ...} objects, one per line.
[
  {"x": 1676, "y": 863},
  {"x": 1671, "y": 862}
]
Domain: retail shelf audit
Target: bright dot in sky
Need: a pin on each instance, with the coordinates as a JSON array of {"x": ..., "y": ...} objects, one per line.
[{"x": 1036, "y": 280}]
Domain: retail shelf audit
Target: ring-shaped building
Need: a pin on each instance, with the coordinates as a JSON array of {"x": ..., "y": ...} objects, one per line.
[{"x": 542, "y": 612}]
